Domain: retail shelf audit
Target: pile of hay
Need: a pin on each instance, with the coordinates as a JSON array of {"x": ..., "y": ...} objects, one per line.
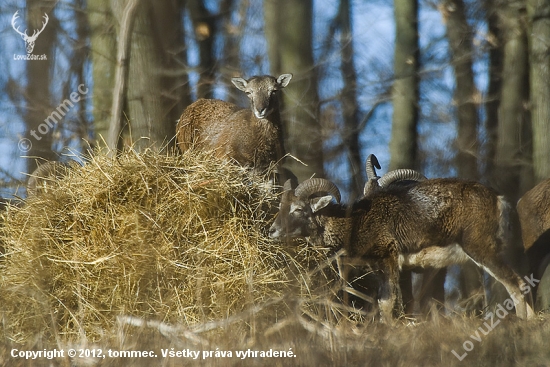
[{"x": 178, "y": 239}]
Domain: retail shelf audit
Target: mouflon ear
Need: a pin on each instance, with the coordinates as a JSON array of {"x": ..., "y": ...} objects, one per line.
[
  {"x": 284, "y": 79},
  {"x": 240, "y": 83},
  {"x": 319, "y": 203}
]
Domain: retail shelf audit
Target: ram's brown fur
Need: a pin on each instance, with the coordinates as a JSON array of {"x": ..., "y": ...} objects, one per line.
[{"x": 420, "y": 219}]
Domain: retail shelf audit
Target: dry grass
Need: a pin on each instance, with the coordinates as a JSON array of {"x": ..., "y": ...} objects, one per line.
[
  {"x": 177, "y": 239},
  {"x": 153, "y": 252}
]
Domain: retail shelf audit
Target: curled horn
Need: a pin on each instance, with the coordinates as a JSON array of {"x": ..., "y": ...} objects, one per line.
[
  {"x": 400, "y": 175},
  {"x": 316, "y": 186},
  {"x": 372, "y": 163}
]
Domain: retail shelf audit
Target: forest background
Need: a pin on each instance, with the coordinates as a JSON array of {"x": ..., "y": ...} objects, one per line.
[{"x": 447, "y": 87}]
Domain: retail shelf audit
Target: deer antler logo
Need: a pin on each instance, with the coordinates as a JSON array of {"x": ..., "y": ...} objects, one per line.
[{"x": 29, "y": 40}]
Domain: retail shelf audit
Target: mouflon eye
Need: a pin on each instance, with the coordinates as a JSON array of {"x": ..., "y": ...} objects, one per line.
[{"x": 298, "y": 211}]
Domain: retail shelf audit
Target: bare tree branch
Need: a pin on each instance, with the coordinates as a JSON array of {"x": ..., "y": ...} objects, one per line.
[{"x": 121, "y": 73}]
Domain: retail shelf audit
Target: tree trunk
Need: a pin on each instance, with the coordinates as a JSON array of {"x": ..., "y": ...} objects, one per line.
[
  {"x": 492, "y": 100},
  {"x": 288, "y": 28},
  {"x": 127, "y": 15},
  {"x": 153, "y": 97},
  {"x": 41, "y": 116},
  {"x": 205, "y": 28},
  {"x": 169, "y": 36},
  {"x": 403, "y": 144},
  {"x": 539, "y": 43},
  {"x": 350, "y": 108},
  {"x": 232, "y": 44},
  {"x": 460, "y": 38},
  {"x": 82, "y": 128},
  {"x": 103, "y": 55},
  {"x": 514, "y": 96},
  {"x": 273, "y": 20}
]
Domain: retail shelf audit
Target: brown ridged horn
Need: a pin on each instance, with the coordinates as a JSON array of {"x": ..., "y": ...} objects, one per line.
[
  {"x": 400, "y": 175},
  {"x": 370, "y": 165},
  {"x": 317, "y": 186}
]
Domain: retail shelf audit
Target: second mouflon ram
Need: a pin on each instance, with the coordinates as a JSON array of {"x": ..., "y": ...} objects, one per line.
[
  {"x": 433, "y": 223},
  {"x": 253, "y": 137}
]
